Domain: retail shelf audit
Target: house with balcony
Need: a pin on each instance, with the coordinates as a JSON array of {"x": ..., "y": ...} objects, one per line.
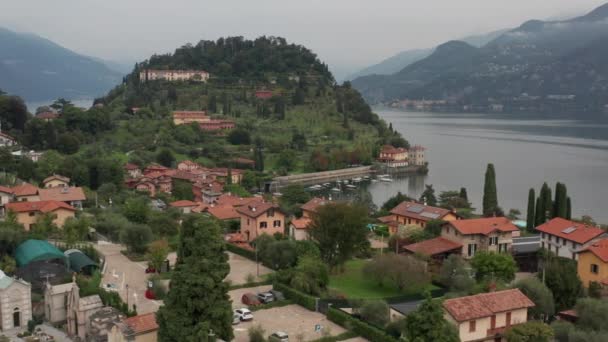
[
  {"x": 492, "y": 234},
  {"x": 486, "y": 317},
  {"x": 565, "y": 238},
  {"x": 259, "y": 218}
]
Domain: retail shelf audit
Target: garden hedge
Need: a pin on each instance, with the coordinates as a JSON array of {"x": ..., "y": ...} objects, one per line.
[
  {"x": 241, "y": 251},
  {"x": 297, "y": 297},
  {"x": 358, "y": 326}
]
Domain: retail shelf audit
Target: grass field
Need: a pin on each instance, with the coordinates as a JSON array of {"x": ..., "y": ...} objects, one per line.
[{"x": 354, "y": 284}]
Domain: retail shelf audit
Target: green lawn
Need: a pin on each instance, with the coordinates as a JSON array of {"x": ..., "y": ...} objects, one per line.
[{"x": 354, "y": 284}]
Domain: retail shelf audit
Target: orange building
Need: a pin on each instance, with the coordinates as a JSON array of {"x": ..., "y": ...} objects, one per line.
[
  {"x": 259, "y": 218},
  {"x": 593, "y": 263},
  {"x": 29, "y": 212},
  {"x": 393, "y": 156}
]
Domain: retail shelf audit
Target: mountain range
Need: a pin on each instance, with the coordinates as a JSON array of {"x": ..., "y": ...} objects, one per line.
[
  {"x": 404, "y": 58},
  {"x": 539, "y": 60},
  {"x": 39, "y": 70}
]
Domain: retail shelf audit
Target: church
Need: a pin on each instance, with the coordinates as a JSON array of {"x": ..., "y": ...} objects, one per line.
[{"x": 15, "y": 303}]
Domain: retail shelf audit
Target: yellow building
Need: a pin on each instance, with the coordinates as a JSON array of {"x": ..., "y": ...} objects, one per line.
[
  {"x": 56, "y": 181},
  {"x": 485, "y": 317},
  {"x": 185, "y": 117},
  {"x": 26, "y": 193},
  {"x": 593, "y": 263},
  {"x": 412, "y": 213},
  {"x": 29, "y": 212},
  {"x": 259, "y": 218}
]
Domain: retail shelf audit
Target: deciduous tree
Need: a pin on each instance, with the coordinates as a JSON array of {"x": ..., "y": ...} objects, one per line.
[
  {"x": 427, "y": 323},
  {"x": 499, "y": 266},
  {"x": 530, "y": 332},
  {"x": 541, "y": 296}
]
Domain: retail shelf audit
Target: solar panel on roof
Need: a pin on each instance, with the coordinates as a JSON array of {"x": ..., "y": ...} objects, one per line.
[
  {"x": 415, "y": 209},
  {"x": 569, "y": 230},
  {"x": 430, "y": 215}
]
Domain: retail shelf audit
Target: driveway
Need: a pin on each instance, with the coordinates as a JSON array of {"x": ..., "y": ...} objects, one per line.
[
  {"x": 119, "y": 272},
  {"x": 299, "y": 323}
]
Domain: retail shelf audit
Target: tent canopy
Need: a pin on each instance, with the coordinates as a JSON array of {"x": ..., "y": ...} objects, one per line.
[
  {"x": 79, "y": 260},
  {"x": 36, "y": 250}
]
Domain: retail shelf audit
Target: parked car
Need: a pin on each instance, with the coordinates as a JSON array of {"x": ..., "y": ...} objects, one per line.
[
  {"x": 278, "y": 336},
  {"x": 244, "y": 314},
  {"x": 265, "y": 297},
  {"x": 278, "y": 295},
  {"x": 236, "y": 318},
  {"x": 250, "y": 299}
]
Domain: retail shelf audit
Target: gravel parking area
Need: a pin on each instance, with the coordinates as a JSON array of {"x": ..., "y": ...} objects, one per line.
[{"x": 293, "y": 319}]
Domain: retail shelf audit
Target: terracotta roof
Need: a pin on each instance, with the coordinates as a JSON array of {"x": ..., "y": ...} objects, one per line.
[
  {"x": 130, "y": 166},
  {"x": 389, "y": 149},
  {"x": 434, "y": 246},
  {"x": 313, "y": 204},
  {"x": 235, "y": 201},
  {"x": 200, "y": 208},
  {"x": 223, "y": 212},
  {"x": 301, "y": 223},
  {"x": 190, "y": 114},
  {"x": 63, "y": 194},
  {"x": 142, "y": 323},
  {"x": 419, "y": 211},
  {"x": 486, "y": 304},
  {"x": 47, "y": 115},
  {"x": 181, "y": 174},
  {"x": 6, "y": 189},
  {"x": 41, "y": 206},
  {"x": 256, "y": 208},
  {"x": 183, "y": 203},
  {"x": 599, "y": 248},
  {"x": 570, "y": 230},
  {"x": 189, "y": 163},
  {"x": 57, "y": 177},
  {"x": 25, "y": 189},
  {"x": 235, "y": 238},
  {"x": 484, "y": 226},
  {"x": 386, "y": 219}
]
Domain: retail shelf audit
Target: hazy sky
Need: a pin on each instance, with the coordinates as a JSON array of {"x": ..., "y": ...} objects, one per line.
[{"x": 344, "y": 33}]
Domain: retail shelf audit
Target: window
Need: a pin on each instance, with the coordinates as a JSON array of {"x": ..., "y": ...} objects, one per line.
[
  {"x": 270, "y": 213},
  {"x": 542, "y": 245},
  {"x": 472, "y": 326},
  {"x": 264, "y": 224},
  {"x": 248, "y": 222},
  {"x": 31, "y": 213},
  {"x": 550, "y": 237},
  {"x": 276, "y": 223},
  {"x": 493, "y": 240},
  {"x": 508, "y": 319},
  {"x": 573, "y": 256},
  {"x": 595, "y": 269},
  {"x": 472, "y": 249},
  {"x": 564, "y": 242},
  {"x": 542, "y": 235},
  {"x": 493, "y": 322},
  {"x": 502, "y": 248}
]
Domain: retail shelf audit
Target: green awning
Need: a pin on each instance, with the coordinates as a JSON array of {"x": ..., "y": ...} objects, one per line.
[
  {"x": 36, "y": 250},
  {"x": 79, "y": 260}
]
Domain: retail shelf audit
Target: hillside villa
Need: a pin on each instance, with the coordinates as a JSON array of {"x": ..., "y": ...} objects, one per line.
[
  {"x": 173, "y": 75},
  {"x": 200, "y": 117},
  {"x": 565, "y": 238},
  {"x": 298, "y": 227},
  {"x": 25, "y": 193},
  {"x": 73, "y": 196},
  {"x": 56, "y": 181},
  {"x": 493, "y": 234},
  {"x": 486, "y": 316},
  {"x": 412, "y": 213},
  {"x": 29, "y": 212},
  {"x": 400, "y": 157},
  {"x": 259, "y": 218},
  {"x": 593, "y": 264}
]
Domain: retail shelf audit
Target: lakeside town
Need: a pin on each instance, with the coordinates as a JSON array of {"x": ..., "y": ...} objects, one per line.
[{"x": 203, "y": 231}]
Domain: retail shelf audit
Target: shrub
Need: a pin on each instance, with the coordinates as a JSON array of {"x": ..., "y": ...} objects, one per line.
[
  {"x": 256, "y": 334},
  {"x": 297, "y": 297},
  {"x": 369, "y": 332}
]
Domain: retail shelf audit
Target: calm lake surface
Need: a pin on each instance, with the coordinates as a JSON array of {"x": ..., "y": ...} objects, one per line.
[{"x": 525, "y": 152}]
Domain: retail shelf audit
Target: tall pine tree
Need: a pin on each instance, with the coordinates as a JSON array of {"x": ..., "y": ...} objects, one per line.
[
  {"x": 568, "y": 209},
  {"x": 463, "y": 194},
  {"x": 560, "y": 206},
  {"x": 531, "y": 218},
  {"x": 490, "y": 197},
  {"x": 538, "y": 213},
  {"x": 198, "y": 299}
]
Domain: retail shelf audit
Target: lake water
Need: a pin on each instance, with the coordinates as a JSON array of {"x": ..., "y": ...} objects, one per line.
[{"x": 525, "y": 152}]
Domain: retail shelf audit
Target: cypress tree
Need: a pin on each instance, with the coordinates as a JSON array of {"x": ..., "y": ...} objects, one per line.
[
  {"x": 463, "y": 194},
  {"x": 560, "y": 206},
  {"x": 198, "y": 298},
  {"x": 539, "y": 217},
  {"x": 548, "y": 205},
  {"x": 490, "y": 199},
  {"x": 531, "y": 218},
  {"x": 568, "y": 209}
]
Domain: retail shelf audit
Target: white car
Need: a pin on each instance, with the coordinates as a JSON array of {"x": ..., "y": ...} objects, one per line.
[
  {"x": 244, "y": 314},
  {"x": 278, "y": 336}
]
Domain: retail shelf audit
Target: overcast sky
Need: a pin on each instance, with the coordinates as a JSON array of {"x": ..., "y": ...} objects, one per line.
[{"x": 345, "y": 33}]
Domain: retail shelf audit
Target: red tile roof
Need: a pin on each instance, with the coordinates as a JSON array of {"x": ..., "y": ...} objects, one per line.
[
  {"x": 599, "y": 248},
  {"x": 190, "y": 114},
  {"x": 223, "y": 212},
  {"x": 6, "y": 189},
  {"x": 486, "y": 304},
  {"x": 25, "y": 189},
  {"x": 419, "y": 211},
  {"x": 130, "y": 166},
  {"x": 63, "y": 194},
  {"x": 313, "y": 204},
  {"x": 389, "y": 149},
  {"x": 580, "y": 233},
  {"x": 47, "y": 115},
  {"x": 301, "y": 223},
  {"x": 142, "y": 323},
  {"x": 235, "y": 201},
  {"x": 484, "y": 226},
  {"x": 434, "y": 246},
  {"x": 41, "y": 206},
  {"x": 183, "y": 203},
  {"x": 256, "y": 208}
]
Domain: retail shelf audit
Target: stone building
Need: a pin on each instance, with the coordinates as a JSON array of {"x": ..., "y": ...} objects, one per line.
[{"x": 15, "y": 303}]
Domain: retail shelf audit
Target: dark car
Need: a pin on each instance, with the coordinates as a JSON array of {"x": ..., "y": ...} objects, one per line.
[
  {"x": 278, "y": 295},
  {"x": 250, "y": 299}
]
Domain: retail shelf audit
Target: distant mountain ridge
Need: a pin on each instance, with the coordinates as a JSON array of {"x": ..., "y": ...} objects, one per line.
[
  {"x": 38, "y": 69},
  {"x": 539, "y": 59},
  {"x": 401, "y": 60}
]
